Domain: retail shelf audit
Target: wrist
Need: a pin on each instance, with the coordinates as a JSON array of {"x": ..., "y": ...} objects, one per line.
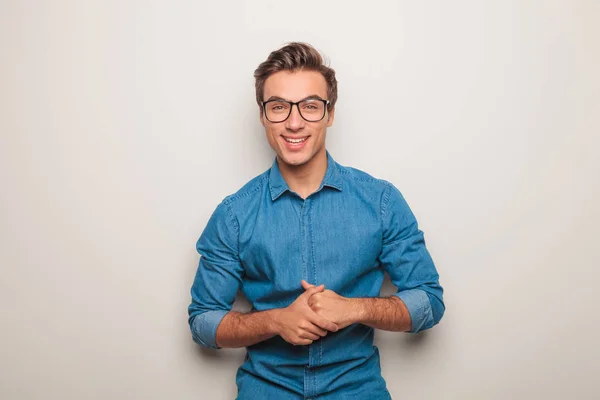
[
  {"x": 358, "y": 310},
  {"x": 273, "y": 324}
]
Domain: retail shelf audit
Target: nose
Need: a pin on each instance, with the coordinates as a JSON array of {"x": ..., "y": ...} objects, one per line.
[{"x": 295, "y": 121}]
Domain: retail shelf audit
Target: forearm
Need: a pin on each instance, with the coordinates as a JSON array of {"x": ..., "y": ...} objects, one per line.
[
  {"x": 245, "y": 329},
  {"x": 387, "y": 313}
]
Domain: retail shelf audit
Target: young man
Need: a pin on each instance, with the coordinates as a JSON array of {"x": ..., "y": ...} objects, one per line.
[{"x": 308, "y": 242}]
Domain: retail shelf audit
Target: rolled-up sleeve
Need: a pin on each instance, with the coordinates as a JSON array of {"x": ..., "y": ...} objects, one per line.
[
  {"x": 406, "y": 259},
  {"x": 218, "y": 277}
]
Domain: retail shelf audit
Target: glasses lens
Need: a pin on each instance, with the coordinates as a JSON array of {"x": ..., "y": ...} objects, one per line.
[
  {"x": 277, "y": 111},
  {"x": 312, "y": 110}
]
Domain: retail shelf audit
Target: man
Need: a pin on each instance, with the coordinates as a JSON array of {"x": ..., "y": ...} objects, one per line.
[{"x": 308, "y": 242}]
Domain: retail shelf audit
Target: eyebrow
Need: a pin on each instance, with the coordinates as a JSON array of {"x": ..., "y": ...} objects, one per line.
[{"x": 311, "y": 97}]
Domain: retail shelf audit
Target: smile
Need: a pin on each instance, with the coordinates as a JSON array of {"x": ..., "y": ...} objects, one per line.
[{"x": 295, "y": 141}]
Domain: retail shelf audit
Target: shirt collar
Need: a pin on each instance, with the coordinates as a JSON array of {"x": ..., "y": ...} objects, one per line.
[{"x": 278, "y": 185}]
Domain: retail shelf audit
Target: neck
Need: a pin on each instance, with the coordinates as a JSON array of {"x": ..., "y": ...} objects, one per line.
[{"x": 305, "y": 179}]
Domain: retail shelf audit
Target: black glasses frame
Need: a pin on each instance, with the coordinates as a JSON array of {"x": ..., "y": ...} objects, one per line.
[{"x": 297, "y": 104}]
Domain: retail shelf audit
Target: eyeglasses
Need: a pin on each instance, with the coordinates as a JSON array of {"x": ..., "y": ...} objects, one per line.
[{"x": 312, "y": 110}]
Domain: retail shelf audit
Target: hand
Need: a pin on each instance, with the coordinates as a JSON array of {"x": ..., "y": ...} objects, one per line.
[
  {"x": 330, "y": 305},
  {"x": 298, "y": 324}
]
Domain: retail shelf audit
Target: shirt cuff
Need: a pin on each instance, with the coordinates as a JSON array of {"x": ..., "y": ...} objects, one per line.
[
  {"x": 204, "y": 328},
  {"x": 419, "y": 308}
]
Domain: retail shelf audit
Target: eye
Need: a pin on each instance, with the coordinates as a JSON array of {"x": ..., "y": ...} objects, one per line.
[
  {"x": 277, "y": 106},
  {"x": 311, "y": 105}
]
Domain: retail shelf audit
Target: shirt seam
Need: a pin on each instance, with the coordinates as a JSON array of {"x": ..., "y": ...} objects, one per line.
[
  {"x": 232, "y": 217},
  {"x": 236, "y": 228},
  {"x": 236, "y": 196},
  {"x": 345, "y": 171},
  {"x": 384, "y": 203}
]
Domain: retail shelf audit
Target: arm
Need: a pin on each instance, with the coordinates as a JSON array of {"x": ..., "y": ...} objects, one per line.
[
  {"x": 245, "y": 329},
  {"x": 389, "y": 314},
  {"x": 297, "y": 324},
  {"x": 418, "y": 303},
  {"x": 407, "y": 261},
  {"x": 218, "y": 278}
]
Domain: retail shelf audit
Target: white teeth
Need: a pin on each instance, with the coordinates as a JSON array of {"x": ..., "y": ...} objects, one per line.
[{"x": 295, "y": 141}]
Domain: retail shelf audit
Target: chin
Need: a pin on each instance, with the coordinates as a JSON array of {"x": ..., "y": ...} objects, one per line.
[{"x": 294, "y": 160}]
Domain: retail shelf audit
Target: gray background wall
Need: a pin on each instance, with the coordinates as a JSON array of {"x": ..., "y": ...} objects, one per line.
[{"x": 124, "y": 123}]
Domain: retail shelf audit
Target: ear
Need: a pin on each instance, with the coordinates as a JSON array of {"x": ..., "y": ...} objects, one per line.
[
  {"x": 262, "y": 117},
  {"x": 330, "y": 117}
]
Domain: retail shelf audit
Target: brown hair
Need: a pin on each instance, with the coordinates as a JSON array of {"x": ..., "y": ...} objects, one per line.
[{"x": 295, "y": 56}]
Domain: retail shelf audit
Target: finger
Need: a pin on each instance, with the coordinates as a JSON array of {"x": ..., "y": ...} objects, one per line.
[
  {"x": 303, "y": 342},
  {"x": 306, "y": 285},
  {"x": 315, "y": 289},
  {"x": 323, "y": 323},
  {"x": 314, "y": 298},
  {"x": 314, "y": 329},
  {"x": 309, "y": 335}
]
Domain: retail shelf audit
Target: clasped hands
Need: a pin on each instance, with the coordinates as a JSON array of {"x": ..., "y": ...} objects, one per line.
[{"x": 314, "y": 313}]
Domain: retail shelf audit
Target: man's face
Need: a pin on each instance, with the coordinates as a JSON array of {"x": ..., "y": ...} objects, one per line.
[{"x": 296, "y": 86}]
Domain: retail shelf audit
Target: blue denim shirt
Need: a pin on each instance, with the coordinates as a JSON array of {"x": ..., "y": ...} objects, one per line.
[{"x": 265, "y": 238}]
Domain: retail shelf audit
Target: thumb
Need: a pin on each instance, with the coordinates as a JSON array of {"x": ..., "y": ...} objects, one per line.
[
  {"x": 312, "y": 290},
  {"x": 306, "y": 285}
]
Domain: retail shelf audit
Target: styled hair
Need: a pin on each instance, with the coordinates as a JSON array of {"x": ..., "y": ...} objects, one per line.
[{"x": 295, "y": 56}]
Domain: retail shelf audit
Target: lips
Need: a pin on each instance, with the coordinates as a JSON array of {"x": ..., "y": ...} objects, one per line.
[
  {"x": 295, "y": 143},
  {"x": 295, "y": 140}
]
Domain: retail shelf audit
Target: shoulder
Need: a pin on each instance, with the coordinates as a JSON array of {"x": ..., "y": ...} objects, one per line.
[
  {"x": 384, "y": 192},
  {"x": 248, "y": 195},
  {"x": 357, "y": 177},
  {"x": 252, "y": 187}
]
